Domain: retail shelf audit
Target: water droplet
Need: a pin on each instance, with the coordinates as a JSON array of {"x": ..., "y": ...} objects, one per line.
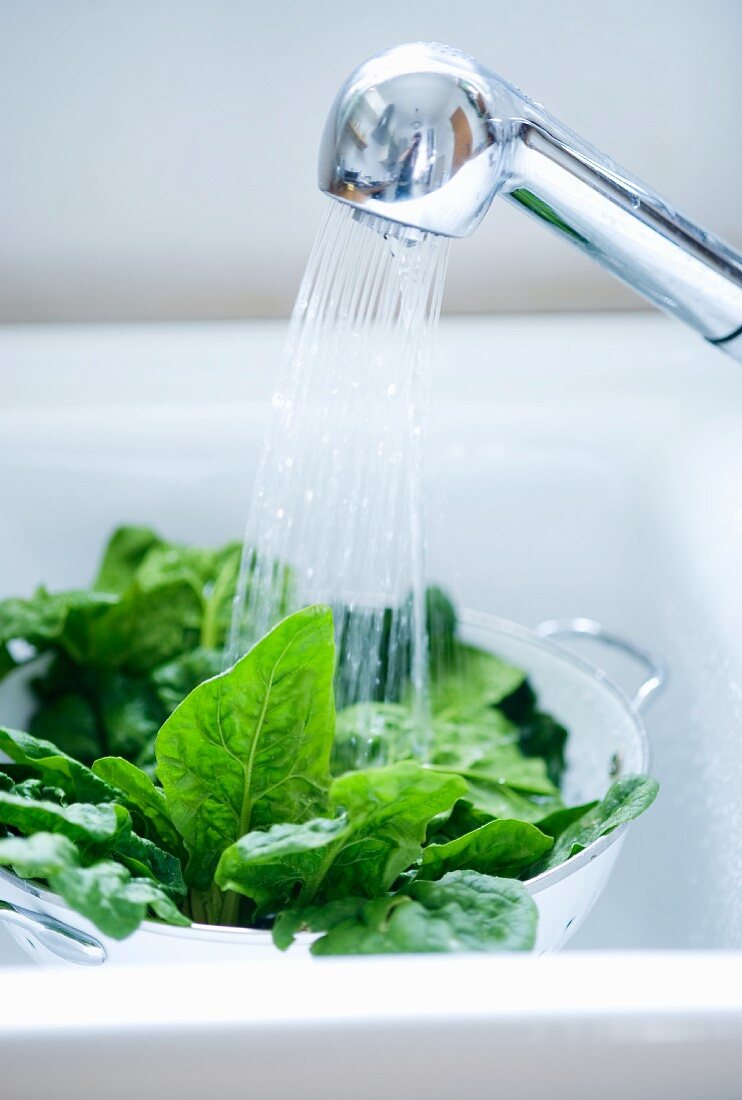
[
  {"x": 280, "y": 513},
  {"x": 391, "y": 390}
]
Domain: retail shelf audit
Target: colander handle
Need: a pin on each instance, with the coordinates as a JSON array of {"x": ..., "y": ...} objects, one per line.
[
  {"x": 656, "y": 670},
  {"x": 62, "y": 940}
]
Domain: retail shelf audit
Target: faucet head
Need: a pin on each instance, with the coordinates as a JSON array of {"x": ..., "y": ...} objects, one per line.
[
  {"x": 415, "y": 137},
  {"x": 421, "y": 138}
]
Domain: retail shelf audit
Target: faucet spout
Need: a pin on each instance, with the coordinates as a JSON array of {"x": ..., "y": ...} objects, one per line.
[{"x": 425, "y": 136}]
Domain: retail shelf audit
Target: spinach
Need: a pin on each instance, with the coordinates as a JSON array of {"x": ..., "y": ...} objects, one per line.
[
  {"x": 504, "y": 783},
  {"x": 393, "y": 654},
  {"x": 625, "y": 800},
  {"x": 282, "y": 865},
  {"x": 144, "y": 626},
  {"x": 104, "y": 892},
  {"x": 500, "y": 847},
  {"x": 129, "y": 713},
  {"x": 386, "y": 731},
  {"x": 136, "y": 556},
  {"x": 38, "y": 790},
  {"x": 145, "y": 859},
  {"x": 153, "y": 783},
  {"x": 113, "y": 899},
  {"x": 93, "y": 828},
  {"x": 7, "y": 663},
  {"x": 213, "y": 573},
  {"x": 463, "y": 818},
  {"x": 463, "y": 911},
  {"x": 136, "y": 791},
  {"x": 126, "y": 551},
  {"x": 31, "y": 627},
  {"x": 542, "y": 737},
  {"x": 385, "y": 814},
  {"x": 473, "y": 685},
  {"x": 498, "y": 765},
  {"x": 39, "y": 856},
  {"x": 55, "y": 766},
  {"x": 123, "y": 654},
  {"x": 555, "y": 823},
  {"x": 30, "y": 807},
  {"x": 88, "y": 710},
  {"x": 441, "y": 625},
  {"x": 390, "y": 809},
  {"x": 474, "y": 681},
  {"x": 251, "y": 747},
  {"x": 69, "y": 720},
  {"x": 483, "y": 749},
  {"x": 175, "y": 679},
  {"x": 539, "y": 734}
]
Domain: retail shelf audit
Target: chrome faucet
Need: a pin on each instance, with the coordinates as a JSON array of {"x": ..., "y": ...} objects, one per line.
[{"x": 423, "y": 136}]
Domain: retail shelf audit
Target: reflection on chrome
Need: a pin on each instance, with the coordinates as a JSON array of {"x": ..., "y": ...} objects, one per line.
[{"x": 424, "y": 136}]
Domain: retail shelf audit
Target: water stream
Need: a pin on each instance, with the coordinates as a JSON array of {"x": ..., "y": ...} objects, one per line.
[{"x": 337, "y": 514}]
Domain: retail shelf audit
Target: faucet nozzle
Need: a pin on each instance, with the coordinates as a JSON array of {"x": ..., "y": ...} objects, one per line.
[
  {"x": 423, "y": 136},
  {"x": 413, "y": 137}
]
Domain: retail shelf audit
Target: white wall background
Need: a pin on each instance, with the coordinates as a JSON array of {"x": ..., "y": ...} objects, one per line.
[{"x": 157, "y": 157}]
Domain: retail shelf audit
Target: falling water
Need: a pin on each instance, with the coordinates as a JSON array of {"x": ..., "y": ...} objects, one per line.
[{"x": 338, "y": 497}]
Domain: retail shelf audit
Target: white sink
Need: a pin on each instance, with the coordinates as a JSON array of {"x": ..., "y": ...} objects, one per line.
[{"x": 577, "y": 466}]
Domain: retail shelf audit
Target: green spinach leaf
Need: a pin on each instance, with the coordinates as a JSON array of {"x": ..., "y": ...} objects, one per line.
[
  {"x": 251, "y": 747},
  {"x": 93, "y": 828},
  {"x": 178, "y": 678},
  {"x": 626, "y": 799},
  {"x": 387, "y": 732},
  {"x": 441, "y": 625},
  {"x": 463, "y": 818},
  {"x": 40, "y": 621},
  {"x": 213, "y": 573},
  {"x": 147, "y": 860},
  {"x": 500, "y": 847},
  {"x": 463, "y": 911},
  {"x": 71, "y": 723},
  {"x": 539, "y": 734},
  {"x": 125, "y": 552},
  {"x": 56, "y": 767},
  {"x": 474, "y": 681},
  {"x": 139, "y": 794},
  {"x": 39, "y": 856},
  {"x": 385, "y": 814},
  {"x": 390, "y": 809},
  {"x": 112, "y": 899},
  {"x": 283, "y": 865},
  {"x": 555, "y": 823},
  {"x": 140, "y": 629},
  {"x": 104, "y": 892}
]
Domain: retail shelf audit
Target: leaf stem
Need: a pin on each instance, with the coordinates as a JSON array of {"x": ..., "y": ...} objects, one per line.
[{"x": 230, "y": 907}]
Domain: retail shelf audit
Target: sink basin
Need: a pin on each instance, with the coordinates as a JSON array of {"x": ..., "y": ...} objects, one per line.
[{"x": 584, "y": 466}]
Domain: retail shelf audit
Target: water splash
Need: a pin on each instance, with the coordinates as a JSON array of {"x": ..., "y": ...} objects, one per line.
[{"x": 338, "y": 496}]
